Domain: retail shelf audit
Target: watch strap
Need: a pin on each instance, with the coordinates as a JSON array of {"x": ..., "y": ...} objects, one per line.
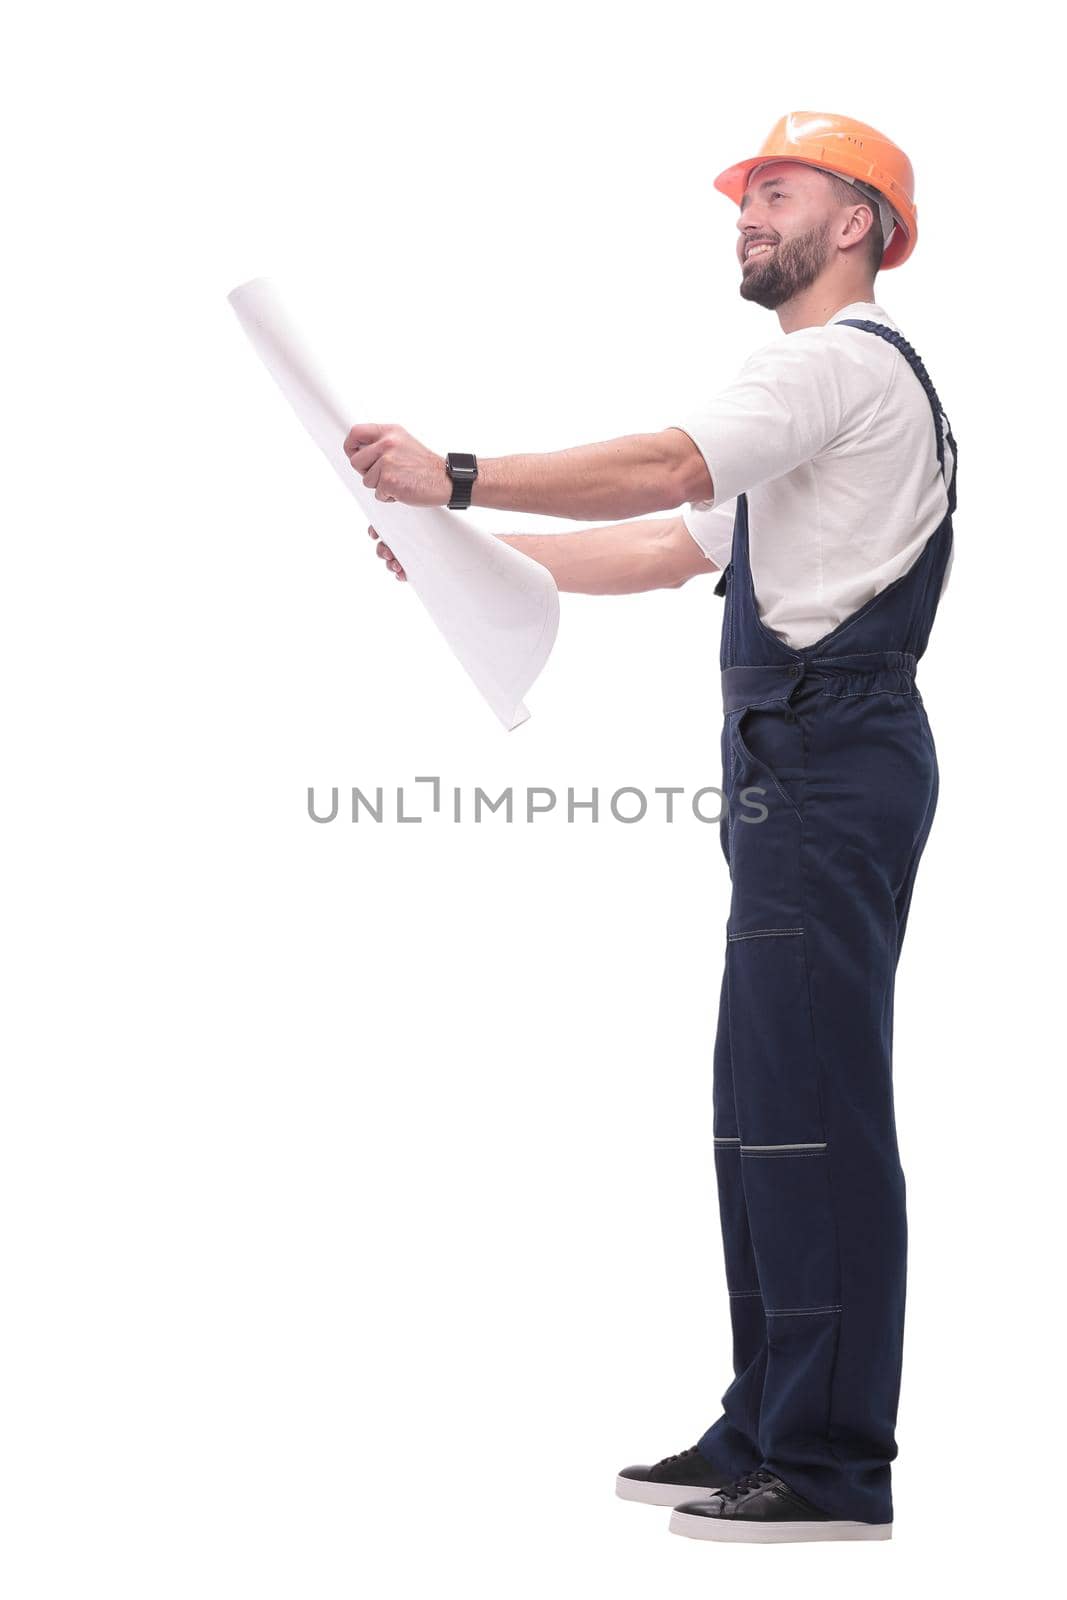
[{"x": 462, "y": 470}]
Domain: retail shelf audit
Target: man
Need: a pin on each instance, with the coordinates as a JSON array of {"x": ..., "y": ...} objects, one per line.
[{"x": 821, "y": 485}]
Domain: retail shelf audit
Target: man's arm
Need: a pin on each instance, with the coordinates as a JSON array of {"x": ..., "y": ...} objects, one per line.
[
  {"x": 625, "y": 558},
  {"x": 627, "y": 477}
]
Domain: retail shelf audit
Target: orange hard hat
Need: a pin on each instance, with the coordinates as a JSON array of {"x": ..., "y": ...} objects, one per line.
[{"x": 853, "y": 151}]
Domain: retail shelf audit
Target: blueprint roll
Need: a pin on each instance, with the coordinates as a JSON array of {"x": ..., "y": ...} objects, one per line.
[{"x": 497, "y": 609}]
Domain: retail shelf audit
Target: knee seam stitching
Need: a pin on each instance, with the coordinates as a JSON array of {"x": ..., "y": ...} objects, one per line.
[
  {"x": 779, "y": 1155},
  {"x": 800, "y": 1144},
  {"x": 804, "y": 1311}
]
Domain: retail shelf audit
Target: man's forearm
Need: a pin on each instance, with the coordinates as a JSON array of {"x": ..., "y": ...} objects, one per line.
[
  {"x": 624, "y": 559},
  {"x": 627, "y": 477}
]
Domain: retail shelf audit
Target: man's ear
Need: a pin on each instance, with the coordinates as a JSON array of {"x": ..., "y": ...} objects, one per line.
[{"x": 855, "y": 229}]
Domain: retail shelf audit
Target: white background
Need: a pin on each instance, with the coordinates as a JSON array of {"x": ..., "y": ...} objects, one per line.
[{"x": 358, "y": 1201}]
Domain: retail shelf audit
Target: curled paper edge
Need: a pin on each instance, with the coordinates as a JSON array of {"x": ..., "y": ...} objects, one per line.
[{"x": 497, "y": 608}]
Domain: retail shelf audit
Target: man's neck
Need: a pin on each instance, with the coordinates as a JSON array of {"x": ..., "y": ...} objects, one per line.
[{"x": 814, "y": 307}]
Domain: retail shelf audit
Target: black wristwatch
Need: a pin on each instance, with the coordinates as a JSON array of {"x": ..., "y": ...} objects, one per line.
[{"x": 462, "y": 469}]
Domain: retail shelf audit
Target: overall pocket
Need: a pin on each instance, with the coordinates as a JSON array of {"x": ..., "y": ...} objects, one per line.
[{"x": 770, "y": 741}]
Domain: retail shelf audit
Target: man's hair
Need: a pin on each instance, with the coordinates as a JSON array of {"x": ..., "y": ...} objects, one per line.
[{"x": 846, "y": 194}]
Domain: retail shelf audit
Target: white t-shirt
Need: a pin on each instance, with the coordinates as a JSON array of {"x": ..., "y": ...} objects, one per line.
[{"x": 831, "y": 437}]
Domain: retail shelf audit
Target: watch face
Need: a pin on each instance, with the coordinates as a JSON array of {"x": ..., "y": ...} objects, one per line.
[{"x": 465, "y": 463}]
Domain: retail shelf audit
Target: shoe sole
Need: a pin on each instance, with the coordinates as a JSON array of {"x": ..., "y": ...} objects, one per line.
[
  {"x": 731, "y": 1532},
  {"x": 659, "y": 1494}
]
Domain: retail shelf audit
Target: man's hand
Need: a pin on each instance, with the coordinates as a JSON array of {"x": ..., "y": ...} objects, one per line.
[
  {"x": 396, "y": 466},
  {"x": 388, "y": 557}
]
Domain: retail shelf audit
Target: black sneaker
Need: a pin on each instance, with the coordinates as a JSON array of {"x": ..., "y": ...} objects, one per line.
[
  {"x": 760, "y": 1509},
  {"x": 670, "y": 1481}
]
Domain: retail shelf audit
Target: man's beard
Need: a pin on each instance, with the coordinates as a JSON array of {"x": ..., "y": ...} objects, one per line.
[{"x": 791, "y": 267}]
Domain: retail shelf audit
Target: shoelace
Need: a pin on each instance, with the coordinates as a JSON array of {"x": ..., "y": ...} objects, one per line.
[
  {"x": 680, "y": 1455},
  {"x": 745, "y": 1485}
]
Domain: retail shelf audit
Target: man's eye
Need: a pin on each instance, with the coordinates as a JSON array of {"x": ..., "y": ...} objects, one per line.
[{"x": 776, "y": 194}]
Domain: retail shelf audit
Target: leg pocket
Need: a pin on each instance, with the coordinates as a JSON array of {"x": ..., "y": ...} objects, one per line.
[{"x": 776, "y": 1081}]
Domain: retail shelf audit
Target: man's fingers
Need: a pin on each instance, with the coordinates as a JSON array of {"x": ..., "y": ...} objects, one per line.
[
  {"x": 384, "y": 553},
  {"x": 367, "y": 455},
  {"x": 362, "y": 434}
]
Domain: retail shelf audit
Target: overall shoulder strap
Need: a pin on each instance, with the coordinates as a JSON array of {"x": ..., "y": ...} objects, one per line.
[{"x": 912, "y": 358}]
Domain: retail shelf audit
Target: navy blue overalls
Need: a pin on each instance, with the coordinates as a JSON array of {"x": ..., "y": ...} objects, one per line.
[{"x": 831, "y": 780}]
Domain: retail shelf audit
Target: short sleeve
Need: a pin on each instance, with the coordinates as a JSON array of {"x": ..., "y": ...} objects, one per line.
[
  {"x": 788, "y": 402},
  {"x": 712, "y": 527}
]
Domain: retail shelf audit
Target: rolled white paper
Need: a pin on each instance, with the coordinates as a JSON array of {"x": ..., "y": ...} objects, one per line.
[{"x": 498, "y": 609}]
